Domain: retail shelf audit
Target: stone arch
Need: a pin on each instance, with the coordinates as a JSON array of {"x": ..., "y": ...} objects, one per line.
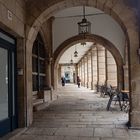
[
  {"x": 41, "y": 10},
  {"x": 29, "y": 74},
  {"x": 89, "y": 38},
  {"x": 44, "y": 40}
]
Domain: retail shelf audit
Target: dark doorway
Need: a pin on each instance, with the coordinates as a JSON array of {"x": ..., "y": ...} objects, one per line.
[{"x": 8, "y": 112}]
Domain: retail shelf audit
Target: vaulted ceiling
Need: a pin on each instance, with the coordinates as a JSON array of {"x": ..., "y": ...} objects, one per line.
[
  {"x": 69, "y": 53},
  {"x": 65, "y": 26}
]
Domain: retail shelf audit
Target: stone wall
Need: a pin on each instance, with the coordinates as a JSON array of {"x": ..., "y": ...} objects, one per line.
[
  {"x": 101, "y": 65},
  {"x": 111, "y": 70},
  {"x": 12, "y": 21},
  {"x": 95, "y": 69},
  {"x": 12, "y": 16},
  {"x": 38, "y": 11}
]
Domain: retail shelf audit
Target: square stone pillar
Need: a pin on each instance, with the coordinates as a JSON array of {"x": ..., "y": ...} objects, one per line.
[
  {"x": 21, "y": 85},
  {"x": 101, "y": 65},
  {"x": 94, "y": 66}
]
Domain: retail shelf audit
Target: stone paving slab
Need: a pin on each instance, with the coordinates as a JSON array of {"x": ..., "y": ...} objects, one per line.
[
  {"x": 123, "y": 133},
  {"x": 68, "y": 132},
  {"x": 102, "y": 132},
  {"x": 79, "y": 114},
  {"x": 41, "y": 131}
]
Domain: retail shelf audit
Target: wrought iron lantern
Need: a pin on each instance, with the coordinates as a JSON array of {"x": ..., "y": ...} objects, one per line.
[
  {"x": 75, "y": 53},
  {"x": 84, "y": 27},
  {"x": 83, "y": 43}
]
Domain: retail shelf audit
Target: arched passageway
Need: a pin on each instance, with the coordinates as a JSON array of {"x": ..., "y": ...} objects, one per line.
[
  {"x": 91, "y": 38},
  {"x": 116, "y": 28},
  {"x": 112, "y": 8},
  {"x": 79, "y": 114}
]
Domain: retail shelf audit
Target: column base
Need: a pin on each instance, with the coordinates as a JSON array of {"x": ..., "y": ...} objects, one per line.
[
  {"x": 128, "y": 125},
  {"x": 134, "y": 120},
  {"x": 134, "y": 128}
]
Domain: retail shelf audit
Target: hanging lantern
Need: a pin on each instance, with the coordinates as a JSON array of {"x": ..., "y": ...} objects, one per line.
[
  {"x": 83, "y": 43},
  {"x": 75, "y": 53},
  {"x": 84, "y": 27}
]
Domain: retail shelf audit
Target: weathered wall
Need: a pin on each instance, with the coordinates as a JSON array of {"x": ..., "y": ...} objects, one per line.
[
  {"x": 15, "y": 25},
  {"x": 111, "y": 70},
  {"x": 40, "y": 10}
]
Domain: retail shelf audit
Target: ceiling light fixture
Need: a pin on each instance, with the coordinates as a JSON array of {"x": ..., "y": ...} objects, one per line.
[
  {"x": 75, "y": 53},
  {"x": 84, "y": 27},
  {"x": 83, "y": 43}
]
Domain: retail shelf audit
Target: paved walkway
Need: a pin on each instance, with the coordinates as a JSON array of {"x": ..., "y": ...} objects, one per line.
[{"x": 79, "y": 114}]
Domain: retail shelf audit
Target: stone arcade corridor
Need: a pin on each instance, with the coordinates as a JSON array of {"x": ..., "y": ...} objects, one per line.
[{"x": 79, "y": 114}]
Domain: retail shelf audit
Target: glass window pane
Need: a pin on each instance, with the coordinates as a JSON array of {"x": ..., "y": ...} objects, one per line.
[
  {"x": 42, "y": 79},
  {"x": 38, "y": 64},
  {"x": 3, "y": 84},
  {"x": 35, "y": 82},
  {"x": 35, "y": 48},
  {"x": 41, "y": 50},
  {"x": 42, "y": 66},
  {"x": 35, "y": 64},
  {"x": 7, "y": 38},
  {"x": 13, "y": 82}
]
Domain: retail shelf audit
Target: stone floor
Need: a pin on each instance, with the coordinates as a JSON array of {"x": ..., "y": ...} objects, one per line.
[{"x": 79, "y": 114}]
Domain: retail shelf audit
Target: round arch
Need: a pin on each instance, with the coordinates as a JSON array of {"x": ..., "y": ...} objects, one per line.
[
  {"x": 41, "y": 10},
  {"x": 116, "y": 9},
  {"x": 89, "y": 38}
]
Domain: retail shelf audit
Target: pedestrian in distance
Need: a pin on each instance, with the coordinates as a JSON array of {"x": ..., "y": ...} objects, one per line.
[
  {"x": 78, "y": 81},
  {"x": 63, "y": 81}
]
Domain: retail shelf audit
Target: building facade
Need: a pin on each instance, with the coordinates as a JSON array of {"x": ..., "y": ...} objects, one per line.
[{"x": 32, "y": 42}]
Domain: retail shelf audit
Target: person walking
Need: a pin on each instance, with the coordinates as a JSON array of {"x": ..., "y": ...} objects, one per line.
[
  {"x": 78, "y": 81},
  {"x": 63, "y": 81}
]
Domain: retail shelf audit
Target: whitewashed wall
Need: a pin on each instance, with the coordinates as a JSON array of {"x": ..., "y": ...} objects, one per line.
[{"x": 102, "y": 25}]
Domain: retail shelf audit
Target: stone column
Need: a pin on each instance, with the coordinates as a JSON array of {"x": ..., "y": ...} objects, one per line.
[
  {"x": 126, "y": 70},
  {"x": 21, "y": 84},
  {"x": 80, "y": 69},
  {"x": 92, "y": 70},
  {"x": 55, "y": 76},
  {"x": 95, "y": 67},
  {"x": 82, "y": 79},
  {"x": 48, "y": 72},
  {"x": 49, "y": 34},
  {"x": 83, "y": 64},
  {"x": 28, "y": 82},
  {"x": 89, "y": 70},
  {"x": 126, "y": 77},
  {"x": 111, "y": 70},
  {"x": 106, "y": 67},
  {"x": 85, "y": 71},
  {"x": 76, "y": 72},
  {"x": 134, "y": 76},
  {"x": 101, "y": 63},
  {"x": 59, "y": 74}
]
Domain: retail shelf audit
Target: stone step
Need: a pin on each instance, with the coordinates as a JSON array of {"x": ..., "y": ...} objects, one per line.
[
  {"x": 40, "y": 106},
  {"x": 37, "y": 101}
]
